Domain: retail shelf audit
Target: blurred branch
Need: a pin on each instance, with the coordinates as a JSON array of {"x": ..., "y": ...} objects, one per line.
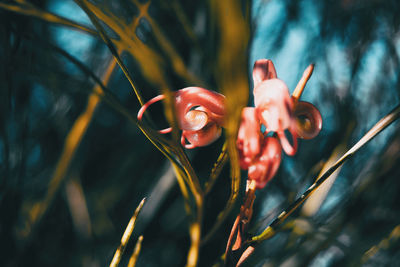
[
  {"x": 164, "y": 145},
  {"x": 154, "y": 74},
  {"x": 28, "y": 9},
  {"x": 176, "y": 60},
  {"x": 232, "y": 78},
  {"x": 71, "y": 144},
  {"x": 157, "y": 140},
  {"x": 78, "y": 207},
  {"x": 183, "y": 19},
  {"x": 111, "y": 47},
  {"x": 157, "y": 76},
  {"x": 192, "y": 178},
  {"x": 384, "y": 244}
]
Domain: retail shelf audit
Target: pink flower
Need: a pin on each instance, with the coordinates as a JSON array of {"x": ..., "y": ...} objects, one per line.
[
  {"x": 250, "y": 138},
  {"x": 267, "y": 164},
  {"x": 200, "y": 113},
  {"x": 273, "y": 103},
  {"x": 278, "y": 112},
  {"x": 260, "y": 156}
]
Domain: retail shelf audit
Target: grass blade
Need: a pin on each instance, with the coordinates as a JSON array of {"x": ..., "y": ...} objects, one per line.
[
  {"x": 233, "y": 80},
  {"x": 136, "y": 252},
  {"x": 110, "y": 45},
  {"x": 127, "y": 234},
  {"x": 216, "y": 170}
]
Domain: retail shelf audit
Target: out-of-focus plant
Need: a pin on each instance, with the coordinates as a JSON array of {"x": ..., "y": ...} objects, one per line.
[{"x": 156, "y": 60}]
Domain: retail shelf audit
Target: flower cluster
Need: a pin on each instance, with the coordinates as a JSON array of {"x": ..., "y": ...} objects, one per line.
[
  {"x": 260, "y": 152},
  {"x": 263, "y": 134},
  {"x": 200, "y": 114}
]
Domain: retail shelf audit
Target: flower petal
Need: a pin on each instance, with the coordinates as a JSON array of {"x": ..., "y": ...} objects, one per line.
[
  {"x": 191, "y": 97},
  {"x": 194, "y": 120},
  {"x": 308, "y": 120},
  {"x": 203, "y": 137},
  {"x": 263, "y": 70},
  {"x": 249, "y": 137},
  {"x": 268, "y": 163}
]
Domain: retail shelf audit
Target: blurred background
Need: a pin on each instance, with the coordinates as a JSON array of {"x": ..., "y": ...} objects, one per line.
[{"x": 69, "y": 207}]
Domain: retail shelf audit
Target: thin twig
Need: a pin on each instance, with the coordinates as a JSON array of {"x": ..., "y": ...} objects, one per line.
[{"x": 302, "y": 83}]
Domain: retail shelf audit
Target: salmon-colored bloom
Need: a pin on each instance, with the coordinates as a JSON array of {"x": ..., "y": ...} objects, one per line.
[
  {"x": 260, "y": 155},
  {"x": 267, "y": 164},
  {"x": 260, "y": 152},
  {"x": 200, "y": 114},
  {"x": 273, "y": 103},
  {"x": 250, "y": 138},
  {"x": 278, "y": 112}
]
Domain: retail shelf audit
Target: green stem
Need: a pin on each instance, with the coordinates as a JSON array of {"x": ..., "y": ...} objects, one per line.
[{"x": 375, "y": 130}]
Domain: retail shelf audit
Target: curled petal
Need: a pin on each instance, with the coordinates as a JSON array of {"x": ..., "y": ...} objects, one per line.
[
  {"x": 200, "y": 113},
  {"x": 274, "y": 104},
  {"x": 203, "y": 137},
  {"x": 194, "y": 120},
  {"x": 145, "y": 107},
  {"x": 210, "y": 102},
  {"x": 308, "y": 120},
  {"x": 249, "y": 137},
  {"x": 264, "y": 169},
  {"x": 188, "y": 99},
  {"x": 287, "y": 147},
  {"x": 148, "y": 103},
  {"x": 263, "y": 70},
  {"x": 184, "y": 144}
]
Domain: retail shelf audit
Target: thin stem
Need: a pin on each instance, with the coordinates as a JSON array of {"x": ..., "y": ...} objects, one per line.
[
  {"x": 71, "y": 144},
  {"x": 375, "y": 130},
  {"x": 158, "y": 140},
  {"x": 235, "y": 185},
  {"x": 216, "y": 170},
  {"x": 176, "y": 60},
  {"x": 302, "y": 83},
  {"x": 196, "y": 224},
  {"x": 180, "y": 173},
  {"x": 110, "y": 45},
  {"x": 383, "y": 244},
  {"x": 193, "y": 180},
  {"x": 195, "y": 237}
]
